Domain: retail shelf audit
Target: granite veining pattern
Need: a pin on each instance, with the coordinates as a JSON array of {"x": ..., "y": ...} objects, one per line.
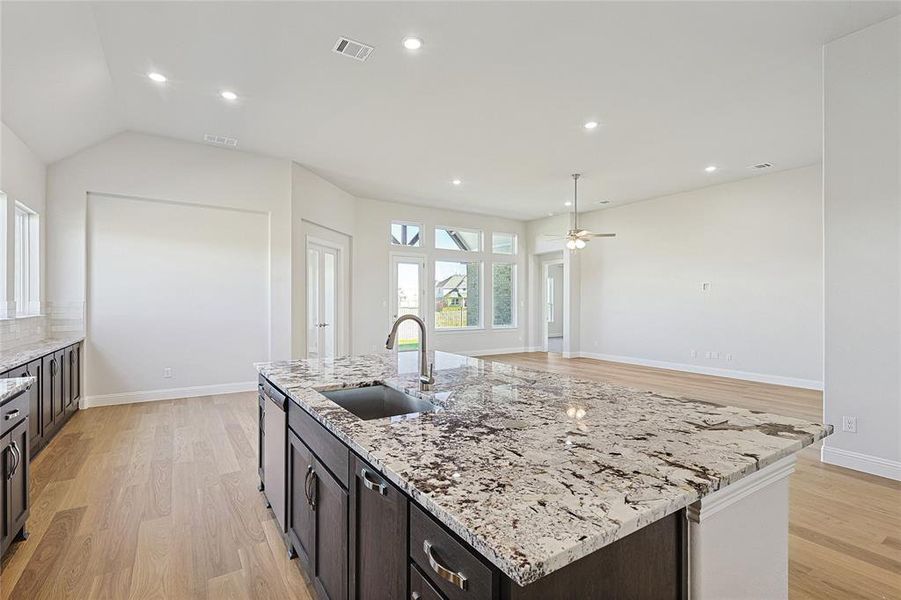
[
  {"x": 19, "y": 355},
  {"x": 11, "y": 387},
  {"x": 537, "y": 470}
]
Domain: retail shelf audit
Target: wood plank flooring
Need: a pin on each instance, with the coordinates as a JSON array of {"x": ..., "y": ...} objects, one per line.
[
  {"x": 159, "y": 500},
  {"x": 154, "y": 500}
]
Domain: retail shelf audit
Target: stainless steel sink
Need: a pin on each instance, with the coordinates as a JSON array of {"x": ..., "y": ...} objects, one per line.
[{"x": 377, "y": 402}]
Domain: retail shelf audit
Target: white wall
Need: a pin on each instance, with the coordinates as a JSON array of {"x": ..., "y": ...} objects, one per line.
[
  {"x": 758, "y": 243},
  {"x": 162, "y": 169},
  {"x": 22, "y": 179},
  {"x": 372, "y": 276},
  {"x": 173, "y": 286},
  {"x": 863, "y": 248},
  {"x": 324, "y": 210}
]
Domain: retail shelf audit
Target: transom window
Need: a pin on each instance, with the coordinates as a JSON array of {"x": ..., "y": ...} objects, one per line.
[
  {"x": 406, "y": 234},
  {"x": 503, "y": 243},
  {"x": 465, "y": 240}
]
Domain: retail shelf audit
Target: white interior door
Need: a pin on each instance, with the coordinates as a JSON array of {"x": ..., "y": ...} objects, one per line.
[
  {"x": 323, "y": 314},
  {"x": 407, "y": 297}
]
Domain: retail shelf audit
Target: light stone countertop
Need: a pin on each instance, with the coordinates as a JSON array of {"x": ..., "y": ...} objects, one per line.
[
  {"x": 19, "y": 355},
  {"x": 10, "y": 388},
  {"x": 534, "y": 469}
]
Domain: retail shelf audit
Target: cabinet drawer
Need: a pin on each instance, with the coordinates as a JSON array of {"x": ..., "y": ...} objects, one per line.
[
  {"x": 327, "y": 448},
  {"x": 454, "y": 569},
  {"x": 420, "y": 587},
  {"x": 14, "y": 411}
]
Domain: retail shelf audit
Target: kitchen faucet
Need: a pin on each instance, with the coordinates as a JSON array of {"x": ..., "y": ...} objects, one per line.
[{"x": 426, "y": 379}]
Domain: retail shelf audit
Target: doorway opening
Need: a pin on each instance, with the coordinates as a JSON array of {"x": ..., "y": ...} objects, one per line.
[{"x": 407, "y": 297}]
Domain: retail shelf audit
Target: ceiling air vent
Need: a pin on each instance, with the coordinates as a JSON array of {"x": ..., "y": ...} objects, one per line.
[
  {"x": 355, "y": 50},
  {"x": 760, "y": 166},
  {"x": 220, "y": 140}
]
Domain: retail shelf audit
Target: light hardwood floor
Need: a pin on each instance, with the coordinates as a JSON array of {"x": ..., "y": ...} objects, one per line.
[
  {"x": 155, "y": 500},
  {"x": 159, "y": 500}
]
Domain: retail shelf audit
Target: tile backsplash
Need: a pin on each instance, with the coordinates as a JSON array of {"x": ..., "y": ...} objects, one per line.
[
  {"x": 60, "y": 319},
  {"x": 22, "y": 330}
]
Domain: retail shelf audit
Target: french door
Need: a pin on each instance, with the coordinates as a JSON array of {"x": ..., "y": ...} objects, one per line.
[
  {"x": 407, "y": 297},
  {"x": 323, "y": 310}
]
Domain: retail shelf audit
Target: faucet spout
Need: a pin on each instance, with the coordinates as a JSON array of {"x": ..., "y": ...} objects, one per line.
[{"x": 426, "y": 377}]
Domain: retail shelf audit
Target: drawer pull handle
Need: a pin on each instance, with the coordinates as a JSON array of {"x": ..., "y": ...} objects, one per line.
[
  {"x": 11, "y": 415},
  {"x": 376, "y": 486},
  {"x": 415, "y": 596},
  {"x": 454, "y": 577}
]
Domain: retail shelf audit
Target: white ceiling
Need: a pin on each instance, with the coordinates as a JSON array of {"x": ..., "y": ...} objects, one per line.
[{"x": 496, "y": 96}]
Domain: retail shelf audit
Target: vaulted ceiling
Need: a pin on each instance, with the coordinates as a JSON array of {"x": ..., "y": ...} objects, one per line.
[{"x": 497, "y": 96}]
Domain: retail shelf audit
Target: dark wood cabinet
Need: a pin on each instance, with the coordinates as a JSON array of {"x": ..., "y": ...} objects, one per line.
[
  {"x": 36, "y": 431},
  {"x": 317, "y": 520},
  {"x": 300, "y": 525},
  {"x": 72, "y": 378},
  {"x": 47, "y": 415},
  {"x": 420, "y": 588},
  {"x": 59, "y": 389},
  {"x": 14, "y": 470},
  {"x": 378, "y": 534},
  {"x": 329, "y": 503}
]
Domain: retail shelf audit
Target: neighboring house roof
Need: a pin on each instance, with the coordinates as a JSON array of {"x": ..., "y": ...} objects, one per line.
[{"x": 455, "y": 285}]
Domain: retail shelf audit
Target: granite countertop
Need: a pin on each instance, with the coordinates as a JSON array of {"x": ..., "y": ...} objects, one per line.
[
  {"x": 19, "y": 355},
  {"x": 11, "y": 387},
  {"x": 537, "y": 470}
]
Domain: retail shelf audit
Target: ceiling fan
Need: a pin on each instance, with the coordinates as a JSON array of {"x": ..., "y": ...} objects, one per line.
[{"x": 576, "y": 238}]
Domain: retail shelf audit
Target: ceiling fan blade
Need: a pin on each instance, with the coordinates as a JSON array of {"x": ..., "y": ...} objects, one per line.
[{"x": 590, "y": 234}]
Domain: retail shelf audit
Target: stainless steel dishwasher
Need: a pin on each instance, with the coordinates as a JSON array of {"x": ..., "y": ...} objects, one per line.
[{"x": 274, "y": 450}]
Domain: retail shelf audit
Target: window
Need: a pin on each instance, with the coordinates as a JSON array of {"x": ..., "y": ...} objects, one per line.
[
  {"x": 503, "y": 243},
  {"x": 458, "y": 239},
  {"x": 27, "y": 269},
  {"x": 405, "y": 234},
  {"x": 458, "y": 291},
  {"x": 503, "y": 282}
]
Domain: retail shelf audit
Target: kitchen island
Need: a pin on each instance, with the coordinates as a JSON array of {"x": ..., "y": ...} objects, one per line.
[{"x": 541, "y": 475}]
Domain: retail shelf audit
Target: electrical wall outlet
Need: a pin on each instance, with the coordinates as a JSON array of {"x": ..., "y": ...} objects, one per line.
[
  {"x": 694, "y": 353},
  {"x": 167, "y": 373},
  {"x": 705, "y": 286},
  {"x": 849, "y": 424},
  {"x": 728, "y": 357}
]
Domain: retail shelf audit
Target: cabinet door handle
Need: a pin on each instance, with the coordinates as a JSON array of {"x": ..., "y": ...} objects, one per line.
[
  {"x": 415, "y": 596},
  {"x": 454, "y": 577},
  {"x": 313, "y": 489},
  {"x": 53, "y": 366},
  {"x": 376, "y": 486},
  {"x": 11, "y": 415},
  {"x": 18, "y": 456},
  {"x": 306, "y": 483}
]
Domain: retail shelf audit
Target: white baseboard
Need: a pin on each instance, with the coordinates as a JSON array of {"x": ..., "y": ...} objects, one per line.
[
  {"x": 867, "y": 463},
  {"x": 810, "y": 384},
  {"x": 168, "y": 394}
]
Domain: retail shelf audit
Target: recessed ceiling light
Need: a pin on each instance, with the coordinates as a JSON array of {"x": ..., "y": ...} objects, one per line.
[
  {"x": 228, "y": 95},
  {"x": 567, "y": 203},
  {"x": 412, "y": 43},
  {"x": 591, "y": 125},
  {"x": 157, "y": 77},
  {"x": 456, "y": 182},
  {"x": 710, "y": 169}
]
